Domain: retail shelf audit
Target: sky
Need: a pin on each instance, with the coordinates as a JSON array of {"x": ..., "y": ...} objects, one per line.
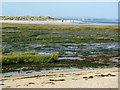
[
  {"x": 107, "y": 10},
  {"x": 59, "y": 0}
]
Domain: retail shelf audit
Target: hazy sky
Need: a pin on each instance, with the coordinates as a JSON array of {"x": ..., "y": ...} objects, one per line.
[{"x": 62, "y": 9}]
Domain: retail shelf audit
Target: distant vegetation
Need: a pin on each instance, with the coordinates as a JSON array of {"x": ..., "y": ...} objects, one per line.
[
  {"x": 56, "y": 27},
  {"x": 30, "y": 18},
  {"x": 44, "y": 34}
]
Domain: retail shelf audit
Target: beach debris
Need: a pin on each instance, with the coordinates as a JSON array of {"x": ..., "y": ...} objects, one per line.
[
  {"x": 102, "y": 75},
  {"x": 49, "y": 75},
  {"x": 57, "y": 79},
  {"x": 85, "y": 77},
  {"x": 77, "y": 74},
  {"x": 2, "y": 84},
  {"x": 57, "y": 69},
  {"x": 61, "y": 76},
  {"x": 91, "y": 76},
  {"x": 111, "y": 74},
  {"x": 31, "y": 83},
  {"x": 105, "y": 75}
]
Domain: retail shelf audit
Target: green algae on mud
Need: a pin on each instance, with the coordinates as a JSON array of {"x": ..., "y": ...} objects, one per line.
[{"x": 45, "y": 34}]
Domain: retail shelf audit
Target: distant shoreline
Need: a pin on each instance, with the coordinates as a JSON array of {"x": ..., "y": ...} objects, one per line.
[{"x": 55, "y": 22}]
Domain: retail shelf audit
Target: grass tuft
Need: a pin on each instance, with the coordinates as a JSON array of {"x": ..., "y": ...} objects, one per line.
[{"x": 28, "y": 57}]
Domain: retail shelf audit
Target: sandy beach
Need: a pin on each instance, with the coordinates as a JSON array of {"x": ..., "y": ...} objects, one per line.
[
  {"x": 54, "y": 22},
  {"x": 93, "y": 78}
]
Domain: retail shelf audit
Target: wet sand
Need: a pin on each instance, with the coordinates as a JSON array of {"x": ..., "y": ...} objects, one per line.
[{"x": 89, "y": 78}]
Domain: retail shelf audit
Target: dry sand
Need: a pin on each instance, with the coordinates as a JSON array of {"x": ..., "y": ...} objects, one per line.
[
  {"x": 97, "y": 78},
  {"x": 53, "y": 22}
]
